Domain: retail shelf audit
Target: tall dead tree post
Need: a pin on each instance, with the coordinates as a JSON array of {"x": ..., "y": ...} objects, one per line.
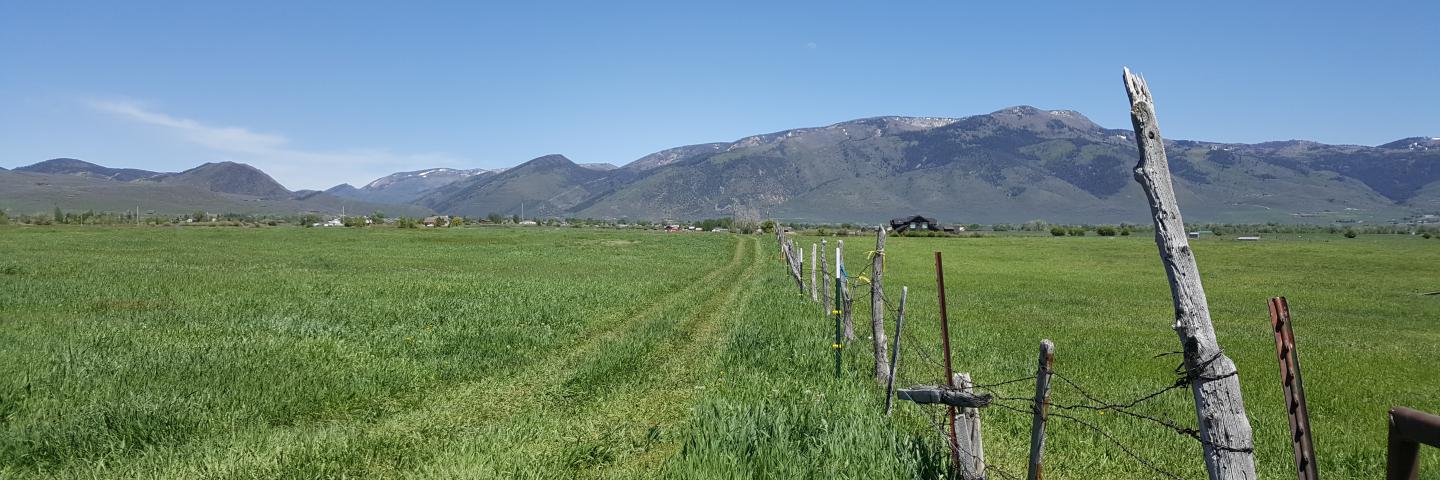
[
  {"x": 895, "y": 352},
  {"x": 1041, "y": 407},
  {"x": 844, "y": 292},
  {"x": 877, "y": 306},
  {"x": 967, "y": 435},
  {"x": 1224, "y": 430}
]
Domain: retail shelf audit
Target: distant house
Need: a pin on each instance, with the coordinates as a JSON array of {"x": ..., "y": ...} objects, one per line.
[
  {"x": 916, "y": 222},
  {"x": 437, "y": 221}
]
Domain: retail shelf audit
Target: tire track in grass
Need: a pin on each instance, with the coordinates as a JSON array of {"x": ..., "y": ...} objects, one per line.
[
  {"x": 456, "y": 423},
  {"x": 686, "y": 367},
  {"x": 593, "y": 427}
]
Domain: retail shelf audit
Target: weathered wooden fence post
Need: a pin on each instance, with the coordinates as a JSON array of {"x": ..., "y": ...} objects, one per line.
[
  {"x": 1041, "y": 408},
  {"x": 825, "y": 306},
  {"x": 877, "y": 307},
  {"x": 967, "y": 434},
  {"x": 895, "y": 352},
  {"x": 847, "y": 301},
  {"x": 1220, "y": 411},
  {"x": 1294, "y": 389},
  {"x": 814, "y": 259},
  {"x": 791, "y": 260}
]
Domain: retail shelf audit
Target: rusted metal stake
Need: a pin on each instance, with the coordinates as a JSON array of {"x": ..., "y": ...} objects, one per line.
[
  {"x": 945, "y": 342},
  {"x": 1041, "y": 408},
  {"x": 1294, "y": 389}
]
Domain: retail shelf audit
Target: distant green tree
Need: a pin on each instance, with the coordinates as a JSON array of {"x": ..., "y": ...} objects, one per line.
[
  {"x": 1076, "y": 231},
  {"x": 768, "y": 225},
  {"x": 59, "y": 215},
  {"x": 1105, "y": 231},
  {"x": 1058, "y": 231},
  {"x": 457, "y": 221},
  {"x": 494, "y": 218},
  {"x": 1350, "y": 233},
  {"x": 1425, "y": 235},
  {"x": 1125, "y": 232},
  {"x": 198, "y": 216},
  {"x": 309, "y": 219},
  {"x": 378, "y": 217},
  {"x": 514, "y": 219},
  {"x": 5, "y": 220}
]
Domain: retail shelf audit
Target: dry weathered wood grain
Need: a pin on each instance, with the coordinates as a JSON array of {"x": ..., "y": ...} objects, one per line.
[
  {"x": 877, "y": 307},
  {"x": 1224, "y": 430}
]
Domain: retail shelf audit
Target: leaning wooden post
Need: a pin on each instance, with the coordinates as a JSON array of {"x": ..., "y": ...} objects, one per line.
[
  {"x": 814, "y": 287},
  {"x": 895, "y": 352},
  {"x": 877, "y": 306},
  {"x": 1041, "y": 408},
  {"x": 967, "y": 433},
  {"x": 1224, "y": 430}
]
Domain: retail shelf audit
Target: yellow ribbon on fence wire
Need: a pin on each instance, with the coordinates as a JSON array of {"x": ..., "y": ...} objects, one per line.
[{"x": 837, "y": 346}]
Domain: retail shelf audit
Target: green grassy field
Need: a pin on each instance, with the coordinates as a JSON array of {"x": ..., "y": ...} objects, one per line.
[{"x": 541, "y": 353}]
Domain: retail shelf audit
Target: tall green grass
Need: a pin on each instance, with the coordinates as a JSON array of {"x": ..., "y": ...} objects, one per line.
[{"x": 545, "y": 353}]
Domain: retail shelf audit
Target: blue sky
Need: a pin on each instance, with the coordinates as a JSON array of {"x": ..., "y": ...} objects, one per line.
[{"x": 318, "y": 93}]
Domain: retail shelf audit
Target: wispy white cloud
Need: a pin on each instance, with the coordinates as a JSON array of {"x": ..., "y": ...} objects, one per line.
[{"x": 275, "y": 154}]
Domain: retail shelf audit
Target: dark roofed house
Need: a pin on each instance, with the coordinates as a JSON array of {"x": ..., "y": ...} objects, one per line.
[{"x": 915, "y": 222}]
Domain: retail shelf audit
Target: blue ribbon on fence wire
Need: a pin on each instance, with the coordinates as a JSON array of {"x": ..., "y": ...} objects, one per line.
[{"x": 843, "y": 274}]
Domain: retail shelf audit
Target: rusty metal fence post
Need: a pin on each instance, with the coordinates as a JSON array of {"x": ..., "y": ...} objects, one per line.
[
  {"x": 945, "y": 343},
  {"x": 1408, "y": 429},
  {"x": 1294, "y": 388}
]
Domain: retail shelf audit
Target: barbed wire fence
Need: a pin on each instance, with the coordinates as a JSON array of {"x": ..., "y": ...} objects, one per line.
[{"x": 1004, "y": 403}]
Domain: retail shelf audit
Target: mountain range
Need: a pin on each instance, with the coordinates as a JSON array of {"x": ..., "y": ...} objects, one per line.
[
  {"x": 1012, "y": 165},
  {"x": 223, "y": 187}
]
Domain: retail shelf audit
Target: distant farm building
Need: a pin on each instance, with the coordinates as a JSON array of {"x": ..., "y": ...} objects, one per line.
[
  {"x": 916, "y": 223},
  {"x": 440, "y": 221}
]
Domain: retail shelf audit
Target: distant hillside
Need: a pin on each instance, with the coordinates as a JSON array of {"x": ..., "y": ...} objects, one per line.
[
  {"x": 227, "y": 177},
  {"x": 25, "y": 191},
  {"x": 1011, "y": 165},
  {"x": 405, "y": 187},
  {"x": 70, "y": 166},
  {"x": 548, "y": 185}
]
